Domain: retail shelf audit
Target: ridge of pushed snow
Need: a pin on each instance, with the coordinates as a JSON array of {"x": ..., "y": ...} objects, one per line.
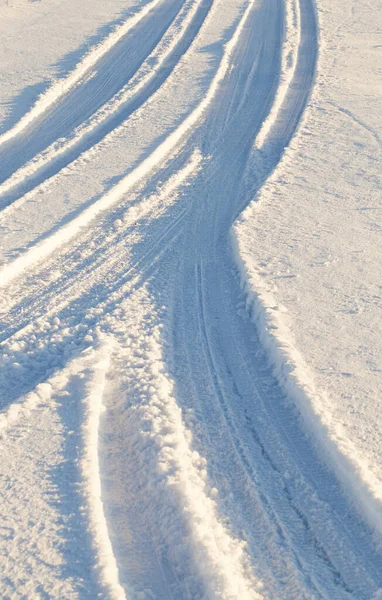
[
  {"x": 297, "y": 380},
  {"x": 42, "y": 249}
]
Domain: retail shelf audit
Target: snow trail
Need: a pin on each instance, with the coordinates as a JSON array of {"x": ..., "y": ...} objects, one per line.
[
  {"x": 151, "y": 75},
  {"x": 194, "y": 475},
  {"x": 67, "y": 232}
]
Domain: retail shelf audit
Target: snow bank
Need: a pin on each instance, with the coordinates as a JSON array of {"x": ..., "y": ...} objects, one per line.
[{"x": 297, "y": 380}]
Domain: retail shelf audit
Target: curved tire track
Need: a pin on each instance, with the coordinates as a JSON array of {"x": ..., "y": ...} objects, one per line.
[
  {"x": 298, "y": 533},
  {"x": 110, "y": 117}
]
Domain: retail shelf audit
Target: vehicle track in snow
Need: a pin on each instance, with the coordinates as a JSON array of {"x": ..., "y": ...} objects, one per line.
[
  {"x": 209, "y": 486},
  {"x": 53, "y": 143}
]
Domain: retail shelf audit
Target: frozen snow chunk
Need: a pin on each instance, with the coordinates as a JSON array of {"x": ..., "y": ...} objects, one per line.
[
  {"x": 44, "y": 390},
  {"x": 117, "y": 224}
]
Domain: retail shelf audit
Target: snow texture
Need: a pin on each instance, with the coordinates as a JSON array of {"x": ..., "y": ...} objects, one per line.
[{"x": 189, "y": 381}]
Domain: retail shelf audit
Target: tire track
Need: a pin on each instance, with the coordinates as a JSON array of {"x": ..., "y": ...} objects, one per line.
[
  {"x": 43, "y": 249},
  {"x": 225, "y": 378},
  {"x": 216, "y": 369},
  {"x": 89, "y": 94},
  {"x": 315, "y": 532},
  {"x": 62, "y": 86},
  {"x": 150, "y": 77}
]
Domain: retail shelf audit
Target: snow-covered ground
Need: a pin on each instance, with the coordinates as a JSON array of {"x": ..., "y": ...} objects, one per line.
[{"x": 189, "y": 376}]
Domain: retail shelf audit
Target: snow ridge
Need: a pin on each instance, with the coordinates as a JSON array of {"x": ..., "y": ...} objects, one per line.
[{"x": 93, "y": 405}]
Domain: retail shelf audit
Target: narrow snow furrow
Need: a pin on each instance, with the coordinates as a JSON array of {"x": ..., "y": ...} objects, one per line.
[
  {"x": 93, "y": 405},
  {"x": 144, "y": 84}
]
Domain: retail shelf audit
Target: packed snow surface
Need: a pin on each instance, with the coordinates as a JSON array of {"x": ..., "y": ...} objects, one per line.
[{"x": 190, "y": 300}]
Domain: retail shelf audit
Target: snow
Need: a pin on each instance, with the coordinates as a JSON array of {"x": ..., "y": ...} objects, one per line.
[
  {"x": 92, "y": 397},
  {"x": 309, "y": 254},
  {"x": 42, "y": 249},
  {"x": 64, "y": 84},
  {"x": 189, "y": 380}
]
